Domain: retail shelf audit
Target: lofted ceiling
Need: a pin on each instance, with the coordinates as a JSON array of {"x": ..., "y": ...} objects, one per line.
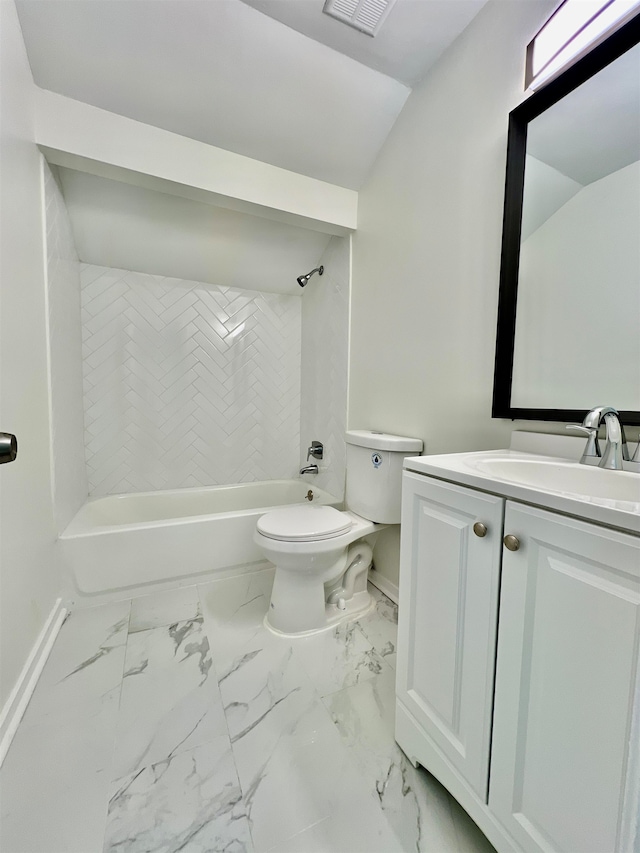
[
  {"x": 413, "y": 36},
  {"x": 275, "y": 80}
]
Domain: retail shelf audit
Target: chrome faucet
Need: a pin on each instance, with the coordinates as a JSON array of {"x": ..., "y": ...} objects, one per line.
[
  {"x": 615, "y": 451},
  {"x": 316, "y": 450},
  {"x": 591, "y": 454},
  {"x": 309, "y": 469}
]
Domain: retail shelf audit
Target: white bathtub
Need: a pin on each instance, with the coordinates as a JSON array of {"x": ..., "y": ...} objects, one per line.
[{"x": 140, "y": 542}]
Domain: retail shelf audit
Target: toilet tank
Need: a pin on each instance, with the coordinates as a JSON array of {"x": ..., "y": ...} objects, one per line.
[{"x": 374, "y": 473}]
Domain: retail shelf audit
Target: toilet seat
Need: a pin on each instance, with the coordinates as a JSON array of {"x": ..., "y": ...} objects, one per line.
[{"x": 304, "y": 523}]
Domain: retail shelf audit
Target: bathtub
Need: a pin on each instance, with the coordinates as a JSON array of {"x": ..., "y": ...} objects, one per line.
[{"x": 126, "y": 545}]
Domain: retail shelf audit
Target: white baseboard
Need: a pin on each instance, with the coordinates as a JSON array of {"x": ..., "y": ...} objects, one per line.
[
  {"x": 17, "y": 702},
  {"x": 389, "y": 588}
]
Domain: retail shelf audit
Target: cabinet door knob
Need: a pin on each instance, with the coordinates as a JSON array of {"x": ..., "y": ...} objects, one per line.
[
  {"x": 512, "y": 543},
  {"x": 480, "y": 529}
]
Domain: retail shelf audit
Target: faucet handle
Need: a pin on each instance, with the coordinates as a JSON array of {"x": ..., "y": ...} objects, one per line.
[
  {"x": 582, "y": 428},
  {"x": 591, "y": 454},
  {"x": 316, "y": 450},
  {"x": 616, "y": 451}
]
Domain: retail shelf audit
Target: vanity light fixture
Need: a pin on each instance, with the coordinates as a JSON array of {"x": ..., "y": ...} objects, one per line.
[{"x": 572, "y": 31}]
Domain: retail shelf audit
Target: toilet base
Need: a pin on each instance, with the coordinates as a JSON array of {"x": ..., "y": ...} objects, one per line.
[{"x": 358, "y": 606}]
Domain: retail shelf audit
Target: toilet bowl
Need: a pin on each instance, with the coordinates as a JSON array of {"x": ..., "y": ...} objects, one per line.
[{"x": 322, "y": 555}]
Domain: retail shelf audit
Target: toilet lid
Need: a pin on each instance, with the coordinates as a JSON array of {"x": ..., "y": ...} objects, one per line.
[{"x": 304, "y": 523}]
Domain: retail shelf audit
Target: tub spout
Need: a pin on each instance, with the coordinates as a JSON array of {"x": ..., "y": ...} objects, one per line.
[{"x": 309, "y": 469}]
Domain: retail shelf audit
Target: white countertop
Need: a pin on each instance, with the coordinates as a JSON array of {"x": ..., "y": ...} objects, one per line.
[{"x": 464, "y": 468}]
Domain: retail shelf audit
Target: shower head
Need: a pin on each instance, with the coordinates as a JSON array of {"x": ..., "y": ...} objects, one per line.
[{"x": 304, "y": 279}]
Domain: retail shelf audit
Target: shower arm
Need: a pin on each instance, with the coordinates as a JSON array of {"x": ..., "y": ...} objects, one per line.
[{"x": 303, "y": 280}]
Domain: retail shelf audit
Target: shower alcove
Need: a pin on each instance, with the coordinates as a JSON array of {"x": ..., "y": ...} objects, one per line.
[{"x": 188, "y": 374}]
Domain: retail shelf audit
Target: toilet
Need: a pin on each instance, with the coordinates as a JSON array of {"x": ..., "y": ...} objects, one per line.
[{"x": 322, "y": 555}]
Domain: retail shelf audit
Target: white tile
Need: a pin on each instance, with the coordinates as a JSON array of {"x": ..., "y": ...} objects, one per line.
[
  {"x": 338, "y": 658},
  {"x": 414, "y": 803},
  {"x": 224, "y": 601},
  {"x": 191, "y": 801},
  {"x": 234, "y": 611},
  {"x": 170, "y": 698},
  {"x": 391, "y": 660},
  {"x": 217, "y": 730},
  {"x": 292, "y": 765},
  {"x": 302, "y": 777},
  {"x": 54, "y": 785},
  {"x": 202, "y": 383},
  {"x": 266, "y": 694},
  {"x": 164, "y": 608},
  {"x": 381, "y": 626},
  {"x": 359, "y": 830},
  {"x": 85, "y": 665},
  {"x": 470, "y": 838}
]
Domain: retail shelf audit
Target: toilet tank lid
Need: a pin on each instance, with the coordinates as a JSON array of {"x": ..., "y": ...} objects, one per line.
[{"x": 383, "y": 440}]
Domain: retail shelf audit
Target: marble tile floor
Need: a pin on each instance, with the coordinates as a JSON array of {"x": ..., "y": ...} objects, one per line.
[{"x": 177, "y": 722}]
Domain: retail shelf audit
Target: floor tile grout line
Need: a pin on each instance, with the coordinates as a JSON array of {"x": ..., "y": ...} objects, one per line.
[
  {"x": 198, "y": 746},
  {"x": 226, "y": 720},
  {"x": 276, "y": 847},
  {"x": 343, "y": 745},
  {"x": 349, "y": 750},
  {"x": 114, "y": 735},
  {"x": 317, "y": 699}
]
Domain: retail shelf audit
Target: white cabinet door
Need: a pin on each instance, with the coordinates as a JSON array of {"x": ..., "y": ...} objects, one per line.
[
  {"x": 565, "y": 767},
  {"x": 449, "y": 582}
]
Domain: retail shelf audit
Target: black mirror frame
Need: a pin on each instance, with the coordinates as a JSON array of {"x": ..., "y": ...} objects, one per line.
[{"x": 609, "y": 50}]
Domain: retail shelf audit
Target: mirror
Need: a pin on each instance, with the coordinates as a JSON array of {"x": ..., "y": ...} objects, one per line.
[{"x": 569, "y": 311}]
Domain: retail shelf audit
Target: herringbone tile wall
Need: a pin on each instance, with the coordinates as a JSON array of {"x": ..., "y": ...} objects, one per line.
[{"x": 187, "y": 384}]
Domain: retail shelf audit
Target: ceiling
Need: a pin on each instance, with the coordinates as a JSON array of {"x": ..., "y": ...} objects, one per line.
[
  {"x": 414, "y": 35},
  {"x": 275, "y": 80}
]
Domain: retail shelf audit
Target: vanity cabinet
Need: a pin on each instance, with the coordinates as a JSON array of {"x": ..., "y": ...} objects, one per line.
[
  {"x": 567, "y": 673},
  {"x": 449, "y": 590},
  {"x": 550, "y": 761}
]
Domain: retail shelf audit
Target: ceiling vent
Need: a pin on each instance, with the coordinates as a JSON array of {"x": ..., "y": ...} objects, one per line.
[{"x": 365, "y": 15}]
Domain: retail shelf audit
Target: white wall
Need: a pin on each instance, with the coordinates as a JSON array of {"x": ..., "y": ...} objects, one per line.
[
  {"x": 427, "y": 251},
  {"x": 325, "y": 355},
  {"x": 28, "y": 570},
  {"x": 133, "y": 228},
  {"x": 80, "y": 136},
  {"x": 65, "y": 355},
  {"x": 187, "y": 384},
  {"x": 568, "y": 284}
]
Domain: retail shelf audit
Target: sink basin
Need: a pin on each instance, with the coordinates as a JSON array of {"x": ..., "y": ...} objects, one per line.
[
  {"x": 556, "y": 483},
  {"x": 564, "y": 478}
]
